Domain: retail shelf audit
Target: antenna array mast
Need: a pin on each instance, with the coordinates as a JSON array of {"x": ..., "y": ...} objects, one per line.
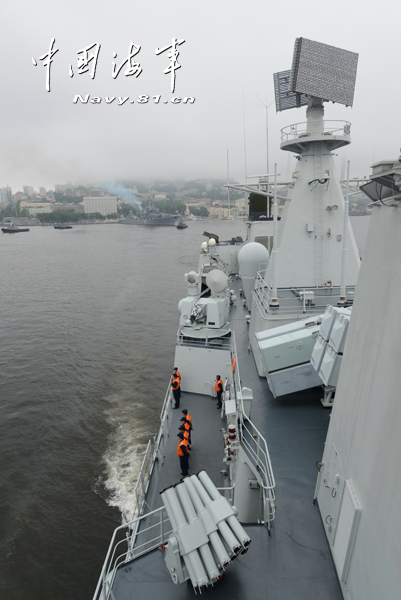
[{"x": 314, "y": 250}]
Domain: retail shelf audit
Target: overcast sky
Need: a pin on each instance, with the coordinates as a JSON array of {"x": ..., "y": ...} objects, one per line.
[{"x": 231, "y": 50}]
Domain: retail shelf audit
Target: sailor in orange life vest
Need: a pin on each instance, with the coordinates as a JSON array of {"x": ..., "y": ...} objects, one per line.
[
  {"x": 183, "y": 454},
  {"x": 187, "y": 418},
  {"x": 187, "y": 425},
  {"x": 175, "y": 386},
  {"x": 187, "y": 435},
  {"x": 218, "y": 388}
]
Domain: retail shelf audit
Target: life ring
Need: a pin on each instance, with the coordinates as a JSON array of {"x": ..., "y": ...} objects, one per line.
[{"x": 234, "y": 363}]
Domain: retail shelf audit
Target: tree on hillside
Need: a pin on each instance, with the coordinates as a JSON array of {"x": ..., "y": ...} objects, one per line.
[{"x": 199, "y": 212}]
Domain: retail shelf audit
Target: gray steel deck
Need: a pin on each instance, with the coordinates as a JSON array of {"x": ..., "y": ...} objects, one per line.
[
  {"x": 295, "y": 562},
  {"x": 207, "y": 446}
]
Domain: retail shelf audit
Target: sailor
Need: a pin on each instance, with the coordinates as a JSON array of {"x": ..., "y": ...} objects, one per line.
[
  {"x": 176, "y": 371},
  {"x": 175, "y": 386},
  {"x": 183, "y": 454},
  {"x": 188, "y": 417},
  {"x": 187, "y": 425},
  {"x": 218, "y": 388},
  {"x": 187, "y": 435}
]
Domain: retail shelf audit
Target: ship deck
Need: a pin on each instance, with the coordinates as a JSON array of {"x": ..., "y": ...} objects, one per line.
[{"x": 295, "y": 562}]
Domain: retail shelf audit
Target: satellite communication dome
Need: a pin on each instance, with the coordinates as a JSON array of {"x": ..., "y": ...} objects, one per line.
[
  {"x": 250, "y": 258},
  {"x": 204, "y": 245},
  {"x": 212, "y": 242},
  {"x": 216, "y": 280},
  {"x": 191, "y": 277}
]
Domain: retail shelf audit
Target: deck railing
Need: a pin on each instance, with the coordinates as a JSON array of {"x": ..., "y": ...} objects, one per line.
[
  {"x": 255, "y": 447},
  {"x": 146, "y": 539},
  {"x": 221, "y": 343},
  {"x": 292, "y": 298},
  {"x": 335, "y": 128}
]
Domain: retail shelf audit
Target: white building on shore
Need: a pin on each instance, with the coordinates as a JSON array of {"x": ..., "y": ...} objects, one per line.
[{"x": 105, "y": 205}]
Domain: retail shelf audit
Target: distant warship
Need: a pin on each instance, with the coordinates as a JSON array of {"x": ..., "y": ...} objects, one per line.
[{"x": 149, "y": 215}]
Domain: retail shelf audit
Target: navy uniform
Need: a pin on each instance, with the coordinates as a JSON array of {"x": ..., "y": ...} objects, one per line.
[
  {"x": 175, "y": 386},
  {"x": 218, "y": 388},
  {"x": 183, "y": 454},
  {"x": 187, "y": 435}
]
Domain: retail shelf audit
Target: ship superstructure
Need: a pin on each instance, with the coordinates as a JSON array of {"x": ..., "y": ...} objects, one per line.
[
  {"x": 149, "y": 215},
  {"x": 358, "y": 489},
  {"x": 314, "y": 261}
]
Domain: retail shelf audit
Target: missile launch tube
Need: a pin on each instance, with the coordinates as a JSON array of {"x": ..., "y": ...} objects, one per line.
[
  {"x": 226, "y": 533},
  {"x": 175, "y": 527},
  {"x": 235, "y": 525},
  {"x": 204, "y": 550},
  {"x": 214, "y": 537},
  {"x": 201, "y": 579}
]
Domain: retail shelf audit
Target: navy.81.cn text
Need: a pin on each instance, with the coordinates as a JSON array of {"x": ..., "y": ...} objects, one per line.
[{"x": 120, "y": 100}]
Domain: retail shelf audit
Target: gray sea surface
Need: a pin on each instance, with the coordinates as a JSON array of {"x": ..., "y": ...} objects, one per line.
[{"x": 87, "y": 334}]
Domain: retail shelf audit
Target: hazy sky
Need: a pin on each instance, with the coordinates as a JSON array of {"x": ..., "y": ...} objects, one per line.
[{"x": 231, "y": 50}]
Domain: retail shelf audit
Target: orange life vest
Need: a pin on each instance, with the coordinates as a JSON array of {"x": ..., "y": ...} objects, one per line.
[
  {"x": 216, "y": 386},
  {"x": 175, "y": 384},
  {"x": 183, "y": 442}
]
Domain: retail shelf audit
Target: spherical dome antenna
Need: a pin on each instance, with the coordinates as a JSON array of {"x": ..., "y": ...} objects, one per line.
[
  {"x": 204, "y": 245},
  {"x": 216, "y": 280},
  {"x": 212, "y": 242},
  {"x": 251, "y": 257}
]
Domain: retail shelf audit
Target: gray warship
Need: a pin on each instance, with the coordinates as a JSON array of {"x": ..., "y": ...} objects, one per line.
[
  {"x": 313, "y": 511},
  {"x": 149, "y": 215}
]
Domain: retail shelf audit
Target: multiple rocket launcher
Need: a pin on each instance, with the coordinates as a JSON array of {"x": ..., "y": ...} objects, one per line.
[{"x": 206, "y": 536}]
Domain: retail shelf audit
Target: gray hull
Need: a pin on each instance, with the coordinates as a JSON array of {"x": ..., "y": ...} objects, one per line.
[{"x": 157, "y": 221}]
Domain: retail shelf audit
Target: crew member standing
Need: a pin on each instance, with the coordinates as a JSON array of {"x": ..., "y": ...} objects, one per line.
[
  {"x": 218, "y": 388},
  {"x": 188, "y": 427},
  {"x": 183, "y": 454},
  {"x": 188, "y": 417},
  {"x": 187, "y": 435},
  {"x": 176, "y": 387}
]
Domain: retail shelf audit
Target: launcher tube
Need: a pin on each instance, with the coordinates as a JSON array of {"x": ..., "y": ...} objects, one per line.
[
  {"x": 205, "y": 552},
  {"x": 214, "y": 537},
  {"x": 200, "y": 578},
  {"x": 226, "y": 533},
  {"x": 235, "y": 525}
]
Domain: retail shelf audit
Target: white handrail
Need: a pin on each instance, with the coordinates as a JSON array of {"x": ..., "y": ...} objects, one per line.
[
  {"x": 260, "y": 457},
  {"x": 112, "y": 547},
  {"x": 336, "y": 127}
]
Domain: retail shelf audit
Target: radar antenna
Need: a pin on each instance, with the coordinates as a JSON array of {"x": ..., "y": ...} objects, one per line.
[{"x": 318, "y": 71}]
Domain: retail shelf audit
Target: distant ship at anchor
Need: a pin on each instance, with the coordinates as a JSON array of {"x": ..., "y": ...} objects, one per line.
[{"x": 149, "y": 215}]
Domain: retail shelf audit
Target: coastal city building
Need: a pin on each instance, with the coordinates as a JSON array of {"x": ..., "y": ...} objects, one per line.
[
  {"x": 35, "y": 208},
  {"x": 67, "y": 207},
  {"x": 105, "y": 205},
  {"x": 6, "y": 195},
  {"x": 28, "y": 190}
]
